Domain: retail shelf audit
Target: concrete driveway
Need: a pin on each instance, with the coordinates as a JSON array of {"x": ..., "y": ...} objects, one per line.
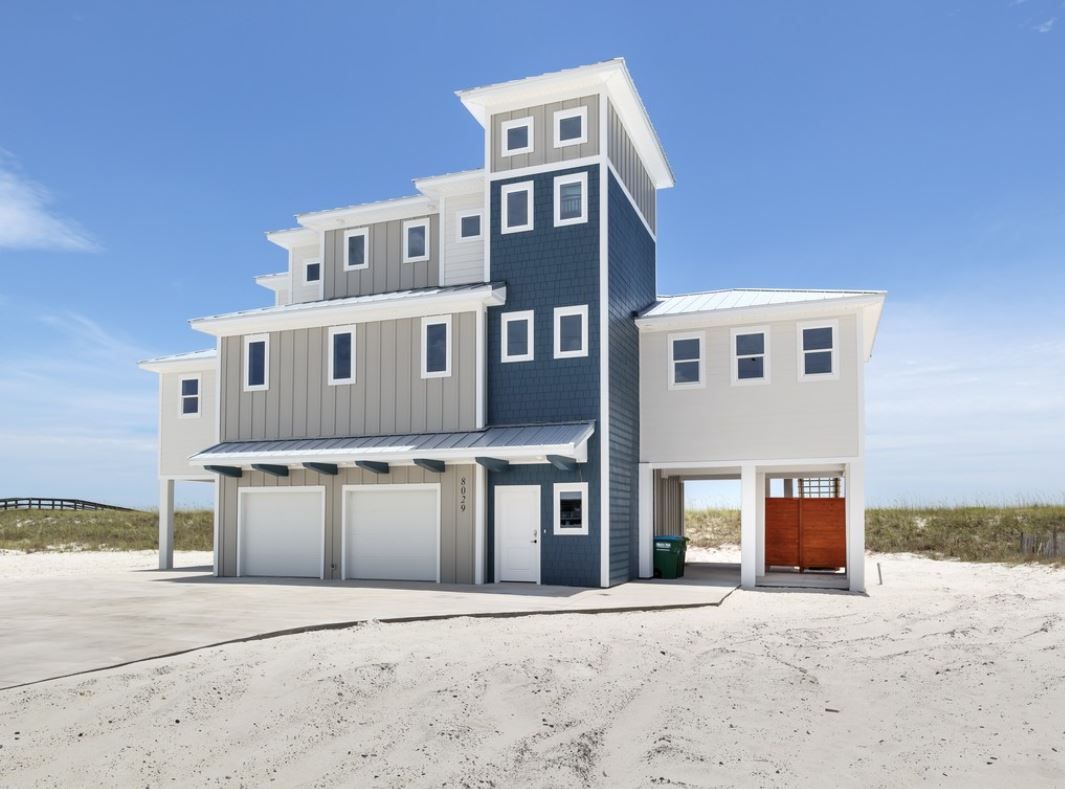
[{"x": 56, "y": 624}]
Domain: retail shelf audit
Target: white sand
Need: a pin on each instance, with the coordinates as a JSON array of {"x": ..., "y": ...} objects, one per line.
[
  {"x": 949, "y": 673},
  {"x": 17, "y": 564}
]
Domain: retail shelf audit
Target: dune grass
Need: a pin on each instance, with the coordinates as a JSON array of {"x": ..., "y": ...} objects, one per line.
[
  {"x": 1022, "y": 533},
  {"x": 102, "y": 530}
]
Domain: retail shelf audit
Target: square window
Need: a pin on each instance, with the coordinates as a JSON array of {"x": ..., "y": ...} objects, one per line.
[
  {"x": 571, "y": 127},
  {"x": 818, "y": 354},
  {"x": 256, "y": 362},
  {"x": 190, "y": 387},
  {"x": 516, "y": 136},
  {"x": 517, "y": 336},
  {"x": 415, "y": 240},
  {"x": 571, "y": 206},
  {"x": 314, "y": 271},
  {"x": 517, "y": 202},
  {"x": 341, "y": 355},
  {"x": 356, "y": 249},
  {"x": 436, "y": 347},
  {"x": 571, "y": 332},
  {"x": 686, "y": 360},
  {"x": 571, "y": 510},
  {"x": 750, "y": 352},
  {"x": 470, "y": 226}
]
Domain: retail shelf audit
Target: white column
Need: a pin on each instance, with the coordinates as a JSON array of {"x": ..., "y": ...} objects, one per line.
[
  {"x": 166, "y": 524},
  {"x": 748, "y": 526},
  {"x": 480, "y": 504},
  {"x": 763, "y": 492},
  {"x": 646, "y": 518},
  {"x": 856, "y": 525}
]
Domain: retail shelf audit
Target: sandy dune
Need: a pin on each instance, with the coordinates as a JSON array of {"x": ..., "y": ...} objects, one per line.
[{"x": 949, "y": 673}]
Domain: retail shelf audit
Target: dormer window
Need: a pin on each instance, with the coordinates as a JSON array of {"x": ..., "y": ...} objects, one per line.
[
  {"x": 312, "y": 271},
  {"x": 571, "y": 127},
  {"x": 415, "y": 240},
  {"x": 356, "y": 249},
  {"x": 516, "y": 136}
]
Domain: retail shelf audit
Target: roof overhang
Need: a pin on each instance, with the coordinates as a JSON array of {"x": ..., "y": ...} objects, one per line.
[
  {"x": 437, "y": 186},
  {"x": 194, "y": 362},
  {"x": 293, "y": 237},
  {"x": 357, "y": 309},
  {"x": 611, "y": 77},
  {"x": 869, "y": 307},
  {"x": 274, "y": 282},
  {"x": 368, "y": 213}
]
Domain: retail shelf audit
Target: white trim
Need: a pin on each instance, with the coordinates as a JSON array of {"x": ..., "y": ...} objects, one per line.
[
  {"x": 241, "y": 492},
  {"x": 515, "y": 123},
  {"x": 571, "y": 178},
  {"x": 571, "y": 487},
  {"x": 349, "y": 234},
  {"x": 671, "y": 371},
  {"x": 561, "y": 312},
  {"x": 367, "y": 213},
  {"x": 505, "y": 191},
  {"x": 459, "y": 216},
  {"x": 181, "y": 396},
  {"x": 761, "y": 313},
  {"x": 734, "y": 357},
  {"x": 248, "y": 340},
  {"x": 216, "y": 548},
  {"x": 510, "y": 317},
  {"x": 383, "y": 488},
  {"x": 550, "y": 167},
  {"x": 497, "y": 540},
  {"x": 632, "y": 200},
  {"x": 197, "y": 361},
  {"x": 646, "y": 518},
  {"x": 480, "y": 346},
  {"x": 576, "y": 112},
  {"x": 407, "y": 226},
  {"x": 319, "y": 283},
  {"x": 480, "y": 528},
  {"x": 426, "y": 323},
  {"x": 801, "y": 351},
  {"x": 604, "y": 346},
  {"x": 333, "y": 332}
]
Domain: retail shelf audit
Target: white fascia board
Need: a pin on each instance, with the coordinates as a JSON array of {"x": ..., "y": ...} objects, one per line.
[
  {"x": 611, "y": 76},
  {"x": 292, "y": 237},
  {"x": 871, "y": 323},
  {"x": 274, "y": 282},
  {"x": 361, "y": 309},
  {"x": 369, "y": 213},
  {"x": 760, "y": 314},
  {"x": 200, "y": 361},
  {"x": 437, "y": 186}
]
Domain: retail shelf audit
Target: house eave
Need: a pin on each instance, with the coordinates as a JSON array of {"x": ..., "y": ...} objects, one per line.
[
  {"x": 182, "y": 363},
  {"x": 368, "y": 213}
]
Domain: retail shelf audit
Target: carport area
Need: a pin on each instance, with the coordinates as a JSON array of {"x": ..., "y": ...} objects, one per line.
[{"x": 802, "y": 522}]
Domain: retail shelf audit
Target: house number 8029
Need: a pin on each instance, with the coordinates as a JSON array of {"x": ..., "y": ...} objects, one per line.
[{"x": 462, "y": 494}]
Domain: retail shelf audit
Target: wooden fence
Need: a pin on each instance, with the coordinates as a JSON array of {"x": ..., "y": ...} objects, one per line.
[
  {"x": 1052, "y": 544},
  {"x": 56, "y": 504}
]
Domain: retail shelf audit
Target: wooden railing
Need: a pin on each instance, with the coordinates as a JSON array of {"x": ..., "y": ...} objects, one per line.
[{"x": 56, "y": 504}]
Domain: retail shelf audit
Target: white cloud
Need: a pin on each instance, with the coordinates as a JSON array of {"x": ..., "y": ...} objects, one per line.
[
  {"x": 27, "y": 220},
  {"x": 1046, "y": 26}
]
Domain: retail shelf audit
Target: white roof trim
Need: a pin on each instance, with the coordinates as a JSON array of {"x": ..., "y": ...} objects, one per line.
[
  {"x": 368, "y": 213},
  {"x": 195, "y": 361},
  {"x": 274, "y": 282},
  {"x": 612, "y": 76},
  {"x": 356, "y": 309},
  {"x": 292, "y": 237},
  {"x": 465, "y": 182}
]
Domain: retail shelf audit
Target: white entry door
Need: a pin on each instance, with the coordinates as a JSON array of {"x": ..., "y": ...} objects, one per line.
[
  {"x": 517, "y": 523},
  {"x": 392, "y": 532},
  {"x": 280, "y": 531}
]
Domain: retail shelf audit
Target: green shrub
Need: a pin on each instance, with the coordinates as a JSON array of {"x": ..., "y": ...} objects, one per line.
[{"x": 102, "y": 530}]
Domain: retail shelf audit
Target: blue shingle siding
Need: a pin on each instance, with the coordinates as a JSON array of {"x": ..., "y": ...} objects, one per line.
[
  {"x": 631, "y": 283},
  {"x": 544, "y": 268}
]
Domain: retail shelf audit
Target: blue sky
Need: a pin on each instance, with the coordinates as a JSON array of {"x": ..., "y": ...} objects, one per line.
[{"x": 911, "y": 146}]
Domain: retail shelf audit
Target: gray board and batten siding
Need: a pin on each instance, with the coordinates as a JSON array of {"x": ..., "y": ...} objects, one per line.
[
  {"x": 457, "y": 495},
  {"x": 622, "y": 154},
  {"x": 389, "y": 395},
  {"x": 544, "y": 150},
  {"x": 387, "y": 272}
]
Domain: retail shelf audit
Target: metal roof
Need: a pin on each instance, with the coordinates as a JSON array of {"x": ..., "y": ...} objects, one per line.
[
  {"x": 490, "y": 440},
  {"x": 740, "y": 298}
]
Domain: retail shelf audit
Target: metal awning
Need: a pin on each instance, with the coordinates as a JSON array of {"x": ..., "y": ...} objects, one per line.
[{"x": 517, "y": 443}]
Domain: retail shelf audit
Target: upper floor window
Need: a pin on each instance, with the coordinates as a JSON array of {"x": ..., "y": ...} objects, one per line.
[
  {"x": 571, "y": 204},
  {"x": 190, "y": 395},
  {"x": 818, "y": 354},
  {"x": 312, "y": 272},
  {"x": 571, "y": 512},
  {"x": 415, "y": 240},
  {"x": 516, "y": 136},
  {"x": 686, "y": 360},
  {"x": 750, "y": 349},
  {"x": 256, "y": 362},
  {"x": 436, "y": 347},
  {"x": 517, "y": 336},
  {"x": 571, "y": 331},
  {"x": 356, "y": 249},
  {"x": 469, "y": 226},
  {"x": 517, "y": 202},
  {"x": 571, "y": 127},
  {"x": 341, "y": 355}
]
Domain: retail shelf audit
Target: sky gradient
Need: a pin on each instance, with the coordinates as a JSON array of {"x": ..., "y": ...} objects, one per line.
[{"x": 915, "y": 147}]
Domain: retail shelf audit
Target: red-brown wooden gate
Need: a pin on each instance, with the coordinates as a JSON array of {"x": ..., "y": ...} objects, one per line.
[{"x": 806, "y": 533}]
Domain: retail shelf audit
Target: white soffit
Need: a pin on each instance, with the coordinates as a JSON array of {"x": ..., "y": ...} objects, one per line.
[
  {"x": 460, "y": 183},
  {"x": 292, "y": 237},
  {"x": 193, "y": 361},
  {"x": 274, "y": 282},
  {"x": 368, "y": 213}
]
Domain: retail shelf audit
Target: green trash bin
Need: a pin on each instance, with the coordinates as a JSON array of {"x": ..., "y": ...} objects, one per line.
[{"x": 669, "y": 556}]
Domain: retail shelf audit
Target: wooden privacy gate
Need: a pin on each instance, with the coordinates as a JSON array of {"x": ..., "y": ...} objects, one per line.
[{"x": 810, "y": 534}]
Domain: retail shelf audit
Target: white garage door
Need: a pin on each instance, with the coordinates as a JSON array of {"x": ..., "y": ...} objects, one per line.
[
  {"x": 391, "y": 532},
  {"x": 281, "y": 532}
]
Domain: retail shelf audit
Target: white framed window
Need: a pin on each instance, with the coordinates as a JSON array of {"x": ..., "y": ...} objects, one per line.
[
  {"x": 687, "y": 364},
  {"x": 341, "y": 355},
  {"x": 189, "y": 396},
  {"x": 818, "y": 351},
  {"x": 516, "y": 136},
  {"x": 571, "y": 508},
  {"x": 436, "y": 347},
  {"x": 415, "y": 240},
  {"x": 750, "y": 355},
  {"x": 469, "y": 225},
  {"x": 571, "y": 127},
  {"x": 571, "y": 331},
  {"x": 571, "y": 199},
  {"x": 256, "y": 362},
  {"x": 356, "y": 249},
  {"x": 312, "y": 272},
  {"x": 517, "y": 207},
  {"x": 516, "y": 336}
]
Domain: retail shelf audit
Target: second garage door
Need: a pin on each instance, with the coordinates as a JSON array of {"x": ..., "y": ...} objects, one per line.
[
  {"x": 392, "y": 532},
  {"x": 280, "y": 532}
]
